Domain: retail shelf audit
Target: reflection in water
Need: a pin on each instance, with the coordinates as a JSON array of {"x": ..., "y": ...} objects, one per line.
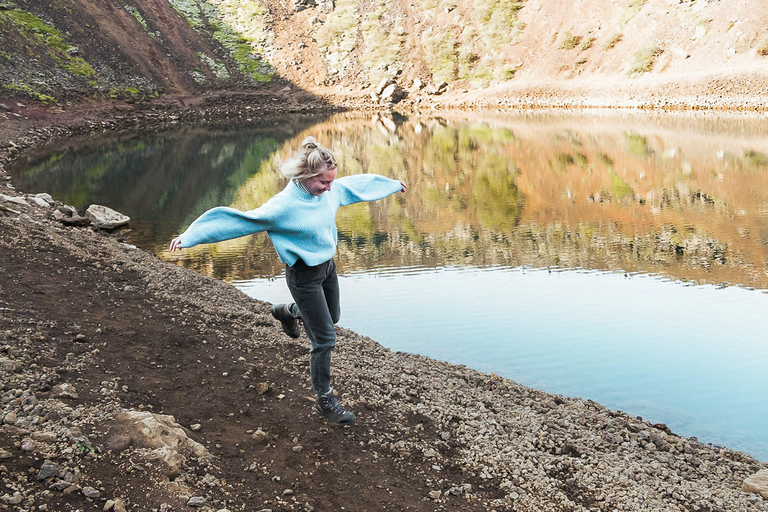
[{"x": 672, "y": 195}]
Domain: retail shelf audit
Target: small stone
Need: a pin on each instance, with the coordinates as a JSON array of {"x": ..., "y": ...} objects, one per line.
[
  {"x": 10, "y": 418},
  {"x": 108, "y": 505},
  {"x": 16, "y": 498},
  {"x": 64, "y": 391},
  {"x": 297, "y": 448},
  {"x": 197, "y": 501},
  {"x": 28, "y": 445},
  {"x": 59, "y": 486},
  {"x": 261, "y": 388},
  {"x": 90, "y": 492},
  {"x": 288, "y": 492},
  {"x": 259, "y": 436},
  {"x": 195, "y": 427},
  {"x": 5, "y": 454},
  {"x": 119, "y": 505},
  {"x": 435, "y": 495}
]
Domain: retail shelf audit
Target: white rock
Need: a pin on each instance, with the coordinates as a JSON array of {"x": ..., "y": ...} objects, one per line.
[
  {"x": 15, "y": 200},
  {"x": 382, "y": 85},
  {"x": 64, "y": 391},
  {"x": 103, "y": 217},
  {"x": 757, "y": 483},
  {"x": 38, "y": 201}
]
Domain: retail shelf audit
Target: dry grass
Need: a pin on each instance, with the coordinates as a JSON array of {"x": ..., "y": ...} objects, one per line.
[
  {"x": 612, "y": 42},
  {"x": 763, "y": 48},
  {"x": 569, "y": 41},
  {"x": 645, "y": 58}
]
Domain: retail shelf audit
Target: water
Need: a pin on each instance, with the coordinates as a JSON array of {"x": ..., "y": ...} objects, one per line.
[{"x": 619, "y": 258}]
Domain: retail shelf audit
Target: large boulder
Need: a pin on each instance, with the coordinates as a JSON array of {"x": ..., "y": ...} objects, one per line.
[{"x": 160, "y": 432}]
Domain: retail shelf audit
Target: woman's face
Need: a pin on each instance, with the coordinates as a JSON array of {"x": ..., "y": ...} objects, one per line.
[{"x": 316, "y": 185}]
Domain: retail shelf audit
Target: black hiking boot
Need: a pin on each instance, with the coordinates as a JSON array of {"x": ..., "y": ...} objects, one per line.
[
  {"x": 290, "y": 324},
  {"x": 329, "y": 408}
]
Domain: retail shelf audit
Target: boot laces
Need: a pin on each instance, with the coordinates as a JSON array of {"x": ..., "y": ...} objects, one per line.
[{"x": 331, "y": 403}]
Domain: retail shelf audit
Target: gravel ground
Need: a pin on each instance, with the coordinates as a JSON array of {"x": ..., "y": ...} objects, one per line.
[{"x": 130, "y": 383}]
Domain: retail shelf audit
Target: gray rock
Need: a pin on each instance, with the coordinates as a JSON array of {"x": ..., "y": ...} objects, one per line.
[
  {"x": 28, "y": 445},
  {"x": 10, "y": 418},
  {"x": 49, "y": 469},
  {"x": 197, "y": 501},
  {"x": 15, "y": 200},
  {"x": 60, "y": 485},
  {"x": 300, "y": 5},
  {"x": 45, "y": 197},
  {"x": 38, "y": 201},
  {"x": 325, "y": 6},
  {"x": 90, "y": 492},
  {"x": 27, "y": 220},
  {"x": 64, "y": 391},
  {"x": 103, "y": 217}
]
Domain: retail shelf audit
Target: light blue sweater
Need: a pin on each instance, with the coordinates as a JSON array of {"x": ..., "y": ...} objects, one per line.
[{"x": 299, "y": 224}]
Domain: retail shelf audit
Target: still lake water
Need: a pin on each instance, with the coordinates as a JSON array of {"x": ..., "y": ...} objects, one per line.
[{"x": 611, "y": 256}]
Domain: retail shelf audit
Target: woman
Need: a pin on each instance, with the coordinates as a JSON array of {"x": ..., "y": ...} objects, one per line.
[{"x": 301, "y": 222}]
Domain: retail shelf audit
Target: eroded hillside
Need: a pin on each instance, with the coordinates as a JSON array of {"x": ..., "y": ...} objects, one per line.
[{"x": 137, "y": 49}]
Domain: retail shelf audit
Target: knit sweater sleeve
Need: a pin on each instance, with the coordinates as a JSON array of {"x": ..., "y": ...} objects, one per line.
[
  {"x": 224, "y": 223},
  {"x": 365, "y": 187}
]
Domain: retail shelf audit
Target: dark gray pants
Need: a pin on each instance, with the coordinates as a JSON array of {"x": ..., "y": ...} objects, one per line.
[{"x": 315, "y": 291}]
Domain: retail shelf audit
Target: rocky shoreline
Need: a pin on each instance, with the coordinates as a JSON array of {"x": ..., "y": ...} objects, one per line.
[{"x": 132, "y": 384}]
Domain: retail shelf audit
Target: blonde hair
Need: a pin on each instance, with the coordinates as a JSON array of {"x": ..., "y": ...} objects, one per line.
[{"x": 313, "y": 159}]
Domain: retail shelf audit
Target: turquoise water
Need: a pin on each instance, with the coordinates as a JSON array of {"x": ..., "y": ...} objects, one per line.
[
  {"x": 617, "y": 258},
  {"x": 692, "y": 357}
]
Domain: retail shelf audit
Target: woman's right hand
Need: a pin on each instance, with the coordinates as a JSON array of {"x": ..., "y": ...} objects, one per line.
[{"x": 175, "y": 244}]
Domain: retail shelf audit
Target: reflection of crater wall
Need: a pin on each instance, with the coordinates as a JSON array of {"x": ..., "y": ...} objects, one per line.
[{"x": 671, "y": 196}]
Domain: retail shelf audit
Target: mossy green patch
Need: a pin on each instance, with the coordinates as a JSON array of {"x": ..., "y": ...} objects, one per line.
[
  {"x": 637, "y": 145},
  {"x": 620, "y": 188},
  {"x": 208, "y": 19},
  {"x": 45, "y": 38},
  {"x": 440, "y": 53},
  {"x": 31, "y": 93}
]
